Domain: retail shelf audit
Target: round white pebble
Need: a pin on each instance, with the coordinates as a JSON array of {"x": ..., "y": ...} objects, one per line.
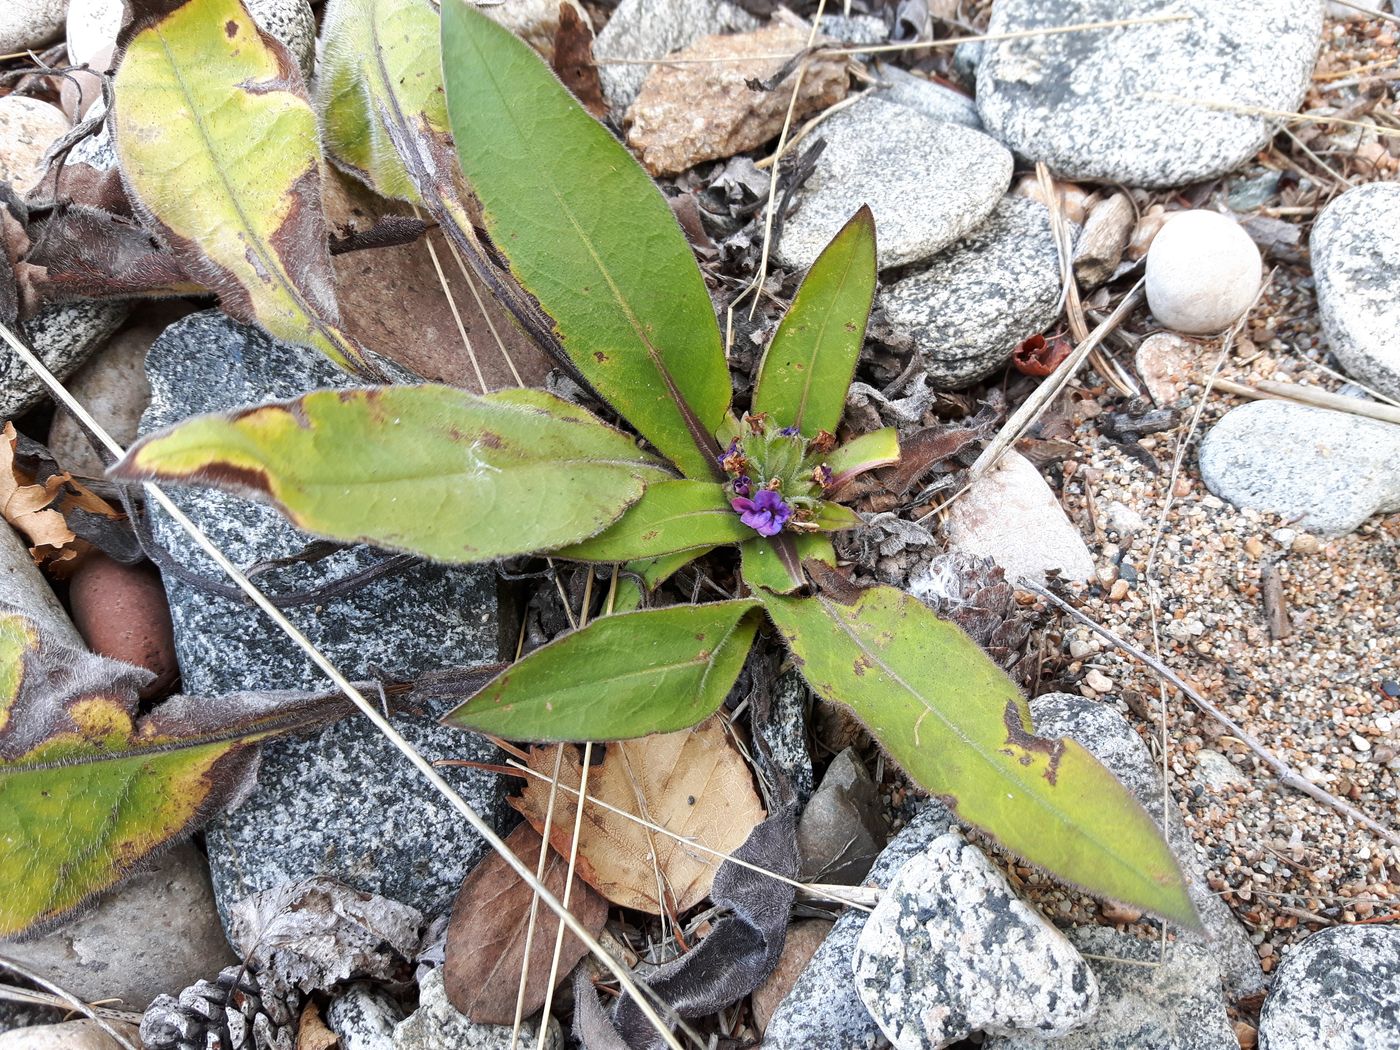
[{"x": 1203, "y": 271}]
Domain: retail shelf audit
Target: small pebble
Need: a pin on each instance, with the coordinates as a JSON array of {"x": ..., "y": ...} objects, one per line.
[
  {"x": 28, "y": 127},
  {"x": 1203, "y": 272},
  {"x": 1098, "y": 681},
  {"x": 121, "y": 612},
  {"x": 1360, "y": 742},
  {"x": 1119, "y": 591}
]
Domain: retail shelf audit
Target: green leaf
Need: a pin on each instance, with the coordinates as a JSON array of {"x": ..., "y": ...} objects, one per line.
[
  {"x": 879, "y": 448},
  {"x": 379, "y": 93},
  {"x": 671, "y": 517},
  {"x": 809, "y": 364},
  {"x": 428, "y": 469},
  {"x": 89, "y": 788},
  {"x": 775, "y": 564},
  {"x": 642, "y": 577},
  {"x": 622, "y": 676},
  {"x": 220, "y": 155},
  {"x": 590, "y": 237},
  {"x": 957, "y": 724}
]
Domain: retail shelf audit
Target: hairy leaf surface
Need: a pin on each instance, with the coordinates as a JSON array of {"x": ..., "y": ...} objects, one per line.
[
  {"x": 957, "y": 724},
  {"x": 428, "y": 469},
  {"x": 220, "y": 154},
  {"x": 622, "y": 676},
  {"x": 590, "y": 237},
  {"x": 776, "y": 564},
  {"x": 809, "y": 364},
  {"x": 88, "y": 788},
  {"x": 879, "y": 448}
]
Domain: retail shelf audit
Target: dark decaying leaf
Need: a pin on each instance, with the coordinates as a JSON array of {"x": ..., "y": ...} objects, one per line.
[
  {"x": 573, "y": 61},
  {"x": 733, "y": 959},
  {"x": 926, "y": 449},
  {"x": 312, "y": 934},
  {"x": 487, "y": 933},
  {"x": 85, "y": 253}
]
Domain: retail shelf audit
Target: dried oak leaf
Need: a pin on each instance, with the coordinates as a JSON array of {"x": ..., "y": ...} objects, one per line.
[
  {"x": 38, "y": 509},
  {"x": 693, "y": 783},
  {"x": 489, "y": 926}
]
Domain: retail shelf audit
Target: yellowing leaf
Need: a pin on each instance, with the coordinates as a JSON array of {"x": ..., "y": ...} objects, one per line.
[
  {"x": 220, "y": 152},
  {"x": 693, "y": 783},
  {"x": 89, "y": 788},
  {"x": 428, "y": 469}
]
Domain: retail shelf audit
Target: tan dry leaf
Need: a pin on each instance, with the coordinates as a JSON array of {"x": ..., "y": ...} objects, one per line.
[
  {"x": 312, "y": 1033},
  {"x": 37, "y": 511},
  {"x": 694, "y": 783},
  {"x": 487, "y": 932}
]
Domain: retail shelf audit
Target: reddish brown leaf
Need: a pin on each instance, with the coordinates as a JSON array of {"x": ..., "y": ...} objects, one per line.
[
  {"x": 487, "y": 932},
  {"x": 1038, "y": 356},
  {"x": 573, "y": 61}
]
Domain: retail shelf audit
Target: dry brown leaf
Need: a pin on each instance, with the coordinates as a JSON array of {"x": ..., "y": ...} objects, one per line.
[
  {"x": 694, "y": 783},
  {"x": 37, "y": 510},
  {"x": 486, "y": 936},
  {"x": 312, "y": 1033}
]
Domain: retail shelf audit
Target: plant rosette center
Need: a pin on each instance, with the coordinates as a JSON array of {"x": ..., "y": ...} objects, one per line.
[{"x": 777, "y": 478}]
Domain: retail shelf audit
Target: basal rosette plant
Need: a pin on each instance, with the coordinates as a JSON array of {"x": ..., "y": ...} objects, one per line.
[{"x": 572, "y": 234}]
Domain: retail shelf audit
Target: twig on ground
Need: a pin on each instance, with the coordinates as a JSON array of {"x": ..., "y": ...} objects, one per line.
[
  {"x": 68, "y": 997},
  {"x": 1265, "y": 390}
]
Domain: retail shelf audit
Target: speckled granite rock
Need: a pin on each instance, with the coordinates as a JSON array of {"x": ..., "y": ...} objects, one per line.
[
  {"x": 436, "y": 1025},
  {"x": 1356, "y": 263},
  {"x": 824, "y": 1008},
  {"x": 364, "y": 1016},
  {"x": 1339, "y": 989},
  {"x": 927, "y": 97},
  {"x": 341, "y": 803},
  {"x": 1083, "y": 102},
  {"x": 1107, "y": 735},
  {"x": 928, "y": 182},
  {"x": 1173, "y": 1006},
  {"x": 950, "y": 950},
  {"x": 1325, "y": 471},
  {"x": 785, "y": 733},
  {"x": 63, "y": 337},
  {"x": 976, "y": 300},
  {"x": 29, "y": 23},
  {"x": 652, "y": 28}
]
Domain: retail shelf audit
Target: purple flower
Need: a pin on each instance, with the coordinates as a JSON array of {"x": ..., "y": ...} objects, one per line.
[
  {"x": 742, "y": 485},
  {"x": 766, "y": 513},
  {"x": 789, "y": 432}
]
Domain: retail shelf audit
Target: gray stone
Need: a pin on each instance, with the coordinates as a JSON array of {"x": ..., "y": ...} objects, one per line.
[
  {"x": 436, "y": 1025},
  {"x": 1106, "y": 734},
  {"x": 364, "y": 1016},
  {"x": 1324, "y": 471},
  {"x": 63, "y": 337},
  {"x": 785, "y": 734},
  {"x": 854, "y": 30},
  {"x": 28, "y": 127},
  {"x": 1013, "y": 517},
  {"x": 24, "y": 588},
  {"x": 343, "y": 802},
  {"x": 1356, "y": 263},
  {"x": 15, "y": 1015},
  {"x": 842, "y": 829},
  {"x": 950, "y": 950},
  {"x": 976, "y": 301},
  {"x": 928, "y": 97},
  {"x": 927, "y": 181},
  {"x": 652, "y": 29},
  {"x": 1339, "y": 989},
  {"x": 112, "y": 386},
  {"x": 29, "y": 23},
  {"x": 153, "y": 935},
  {"x": 824, "y": 1008},
  {"x": 1113, "y": 104},
  {"x": 1176, "y": 1005}
]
